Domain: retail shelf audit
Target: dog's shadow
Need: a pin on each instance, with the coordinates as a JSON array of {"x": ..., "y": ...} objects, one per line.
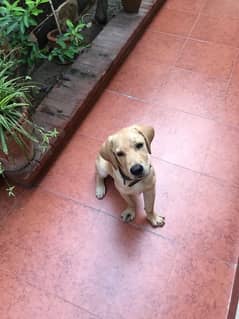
[{"x": 129, "y": 235}]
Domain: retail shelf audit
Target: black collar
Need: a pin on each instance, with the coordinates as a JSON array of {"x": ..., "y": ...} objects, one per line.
[{"x": 127, "y": 178}]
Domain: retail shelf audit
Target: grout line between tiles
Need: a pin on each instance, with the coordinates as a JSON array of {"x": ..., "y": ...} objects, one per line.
[
  {"x": 224, "y": 182},
  {"x": 64, "y": 300},
  {"x": 104, "y": 212},
  {"x": 18, "y": 278},
  {"x": 152, "y": 103},
  {"x": 231, "y": 73}
]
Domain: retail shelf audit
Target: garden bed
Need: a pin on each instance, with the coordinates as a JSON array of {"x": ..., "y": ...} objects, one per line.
[{"x": 74, "y": 89}]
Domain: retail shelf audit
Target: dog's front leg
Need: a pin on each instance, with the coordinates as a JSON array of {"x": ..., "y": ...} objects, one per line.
[
  {"x": 149, "y": 199},
  {"x": 129, "y": 213}
]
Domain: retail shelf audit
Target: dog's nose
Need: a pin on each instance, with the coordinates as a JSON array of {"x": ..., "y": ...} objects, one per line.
[{"x": 137, "y": 170}]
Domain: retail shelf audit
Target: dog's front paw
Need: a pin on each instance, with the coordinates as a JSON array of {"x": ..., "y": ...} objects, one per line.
[
  {"x": 100, "y": 191},
  {"x": 128, "y": 215},
  {"x": 156, "y": 220}
]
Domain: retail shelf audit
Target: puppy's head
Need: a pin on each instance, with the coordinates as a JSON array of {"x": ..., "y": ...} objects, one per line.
[{"x": 129, "y": 149}]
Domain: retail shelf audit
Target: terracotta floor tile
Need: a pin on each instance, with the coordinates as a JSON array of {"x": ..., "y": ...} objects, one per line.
[
  {"x": 209, "y": 58},
  {"x": 173, "y": 21},
  {"x": 212, "y": 229},
  {"x": 193, "y": 6},
  {"x": 65, "y": 254},
  {"x": 193, "y": 93},
  {"x": 175, "y": 192},
  {"x": 78, "y": 173},
  {"x": 221, "y": 8},
  {"x": 140, "y": 78},
  {"x": 197, "y": 288},
  {"x": 8, "y": 203},
  {"x": 146, "y": 68},
  {"x": 183, "y": 139},
  {"x": 20, "y": 300},
  {"x": 93, "y": 266},
  {"x": 114, "y": 111},
  {"x": 234, "y": 81},
  {"x": 217, "y": 29},
  {"x": 156, "y": 47},
  {"x": 222, "y": 158},
  {"x": 228, "y": 112}
]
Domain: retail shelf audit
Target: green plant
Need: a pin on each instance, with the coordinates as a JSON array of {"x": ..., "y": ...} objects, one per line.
[
  {"x": 69, "y": 43},
  {"x": 14, "y": 100},
  {"x": 14, "y": 97},
  {"x": 16, "y": 22},
  {"x": 10, "y": 188}
]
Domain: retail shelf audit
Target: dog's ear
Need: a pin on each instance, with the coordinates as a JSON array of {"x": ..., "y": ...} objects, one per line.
[
  {"x": 148, "y": 134},
  {"x": 106, "y": 151}
]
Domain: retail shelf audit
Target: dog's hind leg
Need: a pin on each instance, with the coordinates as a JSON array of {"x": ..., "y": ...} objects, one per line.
[{"x": 102, "y": 171}]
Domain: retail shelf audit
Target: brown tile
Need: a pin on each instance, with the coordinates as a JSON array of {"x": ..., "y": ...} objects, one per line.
[
  {"x": 8, "y": 203},
  {"x": 140, "y": 78},
  {"x": 234, "y": 81},
  {"x": 114, "y": 111},
  {"x": 175, "y": 192},
  {"x": 173, "y": 21},
  {"x": 223, "y": 155},
  {"x": 228, "y": 111},
  {"x": 215, "y": 60},
  {"x": 221, "y": 8},
  {"x": 182, "y": 139},
  {"x": 193, "y": 6},
  {"x": 92, "y": 265},
  {"x": 20, "y": 300},
  {"x": 217, "y": 29},
  {"x": 212, "y": 229},
  {"x": 75, "y": 178},
  {"x": 193, "y": 93},
  {"x": 197, "y": 288},
  {"x": 155, "y": 47}
]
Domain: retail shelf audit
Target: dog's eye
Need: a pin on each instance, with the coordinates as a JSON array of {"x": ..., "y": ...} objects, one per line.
[
  {"x": 139, "y": 145},
  {"x": 120, "y": 153}
]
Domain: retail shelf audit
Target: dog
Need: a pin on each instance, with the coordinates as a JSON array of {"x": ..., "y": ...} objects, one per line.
[{"x": 125, "y": 156}]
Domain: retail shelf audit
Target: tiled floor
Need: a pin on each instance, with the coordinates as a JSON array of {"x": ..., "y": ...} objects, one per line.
[{"x": 65, "y": 255}]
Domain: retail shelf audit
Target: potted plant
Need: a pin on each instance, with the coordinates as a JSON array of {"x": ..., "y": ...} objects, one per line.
[
  {"x": 66, "y": 40},
  {"x": 17, "y": 132},
  {"x": 68, "y": 44},
  {"x": 17, "y": 19},
  {"x": 131, "y": 6}
]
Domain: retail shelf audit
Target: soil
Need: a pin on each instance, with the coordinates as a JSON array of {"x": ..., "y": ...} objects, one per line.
[{"x": 49, "y": 74}]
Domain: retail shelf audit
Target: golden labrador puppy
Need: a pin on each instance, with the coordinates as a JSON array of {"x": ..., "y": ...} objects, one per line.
[{"x": 126, "y": 157}]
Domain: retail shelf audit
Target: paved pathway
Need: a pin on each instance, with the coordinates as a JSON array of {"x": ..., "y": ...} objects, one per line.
[{"x": 66, "y": 255}]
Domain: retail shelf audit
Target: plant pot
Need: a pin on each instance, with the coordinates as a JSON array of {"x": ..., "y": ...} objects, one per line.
[
  {"x": 52, "y": 36},
  {"x": 18, "y": 158},
  {"x": 131, "y": 6}
]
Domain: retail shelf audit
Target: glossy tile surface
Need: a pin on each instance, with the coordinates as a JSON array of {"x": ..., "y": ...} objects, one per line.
[
  {"x": 219, "y": 8},
  {"x": 212, "y": 59},
  {"x": 186, "y": 5},
  {"x": 193, "y": 93},
  {"x": 217, "y": 29},
  {"x": 173, "y": 21},
  {"x": 65, "y": 254}
]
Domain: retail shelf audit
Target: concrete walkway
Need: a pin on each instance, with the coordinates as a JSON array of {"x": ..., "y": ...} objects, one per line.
[{"x": 65, "y": 255}]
